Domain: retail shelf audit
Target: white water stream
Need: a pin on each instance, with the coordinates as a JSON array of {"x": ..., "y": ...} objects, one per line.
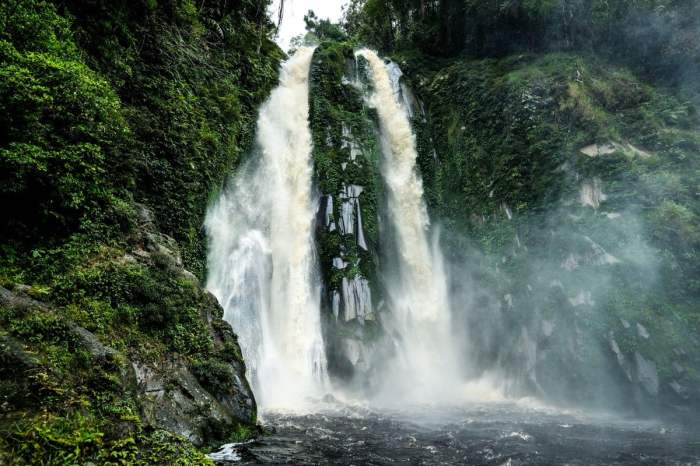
[
  {"x": 262, "y": 262},
  {"x": 263, "y": 267},
  {"x": 420, "y": 309}
]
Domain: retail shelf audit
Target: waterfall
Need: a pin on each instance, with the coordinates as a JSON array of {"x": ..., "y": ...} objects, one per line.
[
  {"x": 262, "y": 263},
  {"x": 417, "y": 289}
]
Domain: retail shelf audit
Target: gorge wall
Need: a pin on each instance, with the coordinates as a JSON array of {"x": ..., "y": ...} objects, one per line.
[
  {"x": 119, "y": 120},
  {"x": 575, "y": 256},
  {"x": 558, "y": 149}
]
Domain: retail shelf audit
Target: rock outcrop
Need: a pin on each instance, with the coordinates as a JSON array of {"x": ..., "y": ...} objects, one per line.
[{"x": 202, "y": 396}]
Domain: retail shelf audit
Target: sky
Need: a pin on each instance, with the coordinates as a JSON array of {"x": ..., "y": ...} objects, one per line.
[{"x": 294, "y": 11}]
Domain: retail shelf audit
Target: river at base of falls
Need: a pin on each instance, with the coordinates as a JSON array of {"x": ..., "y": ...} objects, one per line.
[{"x": 487, "y": 434}]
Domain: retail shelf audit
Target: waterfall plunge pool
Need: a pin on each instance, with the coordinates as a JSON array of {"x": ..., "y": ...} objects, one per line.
[{"x": 477, "y": 434}]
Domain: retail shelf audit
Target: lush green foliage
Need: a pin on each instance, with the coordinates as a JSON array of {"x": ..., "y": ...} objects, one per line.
[
  {"x": 336, "y": 105},
  {"x": 657, "y": 37},
  {"x": 505, "y": 154},
  {"x": 190, "y": 77},
  {"x": 63, "y": 131},
  {"x": 105, "y": 106},
  {"x": 509, "y": 137}
]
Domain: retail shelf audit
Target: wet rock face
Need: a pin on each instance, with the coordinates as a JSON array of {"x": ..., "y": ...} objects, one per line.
[
  {"x": 647, "y": 376},
  {"x": 17, "y": 366},
  {"x": 621, "y": 359},
  {"x": 172, "y": 398},
  {"x": 351, "y": 214},
  {"x": 200, "y": 400},
  {"x": 591, "y": 193},
  {"x": 356, "y": 299},
  {"x": 203, "y": 396}
]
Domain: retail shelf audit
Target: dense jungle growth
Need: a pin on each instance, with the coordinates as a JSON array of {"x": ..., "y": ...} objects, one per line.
[{"x": 119, "y": 121}]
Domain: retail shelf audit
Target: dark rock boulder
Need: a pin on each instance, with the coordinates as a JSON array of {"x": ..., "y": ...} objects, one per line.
[
  {"x": 204, "y": 401},
  {"x": 17, "y": 369},
  {"x": 172, "y": 398}
]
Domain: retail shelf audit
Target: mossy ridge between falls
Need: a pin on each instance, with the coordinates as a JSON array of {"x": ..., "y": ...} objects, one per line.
[
  {"x": 346, "y": 154},
  {"x": 119, "y": 120}
]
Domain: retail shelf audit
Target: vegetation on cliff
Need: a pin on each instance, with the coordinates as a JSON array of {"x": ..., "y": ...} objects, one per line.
[
  {"x": 346, "y": 162},
  {"x": 117, "y": 122},
  {"x": 559, "y": 149},
  {"x": 657, "y": 38}
]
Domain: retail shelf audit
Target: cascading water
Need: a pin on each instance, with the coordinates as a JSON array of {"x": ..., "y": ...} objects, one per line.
[
  {"x": 263, "y": 272},
  {"x": 419, "y": 302},
  {"x": 262, "y": 261}
]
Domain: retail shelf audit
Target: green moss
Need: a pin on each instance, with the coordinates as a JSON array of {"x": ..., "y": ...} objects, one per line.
[
  {"x": 336, "y": 104},
  {"x": 103, "y": 105},
  {"x": 508, "y": 133}
]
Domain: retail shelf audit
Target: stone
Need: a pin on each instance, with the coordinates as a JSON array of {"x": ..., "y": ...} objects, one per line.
[
  {"x": 594, "y": 254},
  {"x": 144, "y": 215},
  {"x": 507, "y": 211},
  {"x": 548, "y": 328},
  {"x": 12, "y": 354},
  {"x": 335, "y": 300},
  {"x": 356, "y": 298},
  {"x": 163, "y": 244},
  {"x": 591, "y": 193},
  {"x": 339, "y": 263},
  {"x": 189, "y": 276},
  {"x": 677, "y": 368},
  {"x": 583, "y": 298},
  {"x": 598, "y": 255},
  {"x": 642, "y": 331},
  {"x": 94, "y": 346},
  {"x": 620, "y": 358},
  {"x": 678, "y": 389},
  {"x": 172, "y": 398},
  {"x": 361, "y": 242},
  {"x": 19, "y": 300},
  {"x": 637, "y": 152},
  {"x": 595, "y": 150},
  {"x": 328, "y": 214},
  {"x": 17, "y": 367},
  {"x": 353, "y": 350},
  {"x": 350, "y": 202},
  {"x": 647, "y": 375},
  {"x": 509, "y": 300}
]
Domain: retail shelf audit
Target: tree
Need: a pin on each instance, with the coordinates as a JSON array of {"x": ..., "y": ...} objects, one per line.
[{"x": 324, "y": 29}]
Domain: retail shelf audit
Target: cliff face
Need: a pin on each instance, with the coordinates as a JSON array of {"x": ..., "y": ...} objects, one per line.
[
  {"x": 566, "y": 188},
  {"x": 563, "y": 185},
  {"x": 558, "y": 148},
  {"x": 118, "y": 121}
]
